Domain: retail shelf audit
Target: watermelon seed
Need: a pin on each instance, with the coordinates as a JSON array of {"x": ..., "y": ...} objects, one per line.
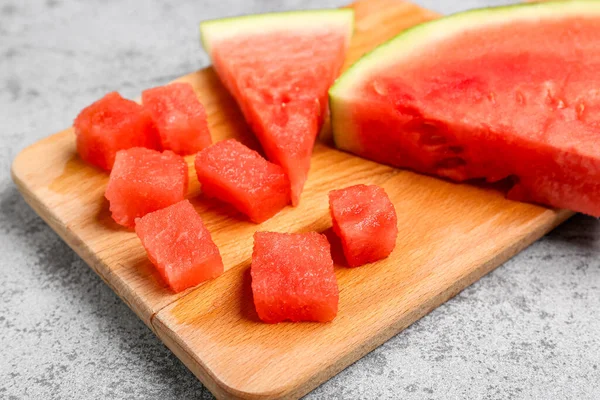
[
  {"x": 559, "y": 103},
  {"x": 580, "y": 110},
  {"x": 492, "y": 97},
  {"x": 380, "y": 88},
  {"x": 520, "y": 98},
  {"x": 285, "y": 98}
]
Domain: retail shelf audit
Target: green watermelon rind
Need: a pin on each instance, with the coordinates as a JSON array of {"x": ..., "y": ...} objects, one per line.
[
  {"x": 399, "y": 48},
  {"x": 293, "y": 21}
]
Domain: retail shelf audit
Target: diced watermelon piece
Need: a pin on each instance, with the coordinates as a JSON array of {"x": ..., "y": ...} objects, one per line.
[
  {"x": 496, "y": 93},
  {"x": 144, "y": 180},
  {"x": 365, "y": 220},
  {"x": 293, "y": 277},
  {"x": 112, "y": 124},
  {"x": 179, "y": 245},
  {"x": 279, "y": 67},
  {"x": 232, "y": 172},
  {"x": 179, "y": 117}
]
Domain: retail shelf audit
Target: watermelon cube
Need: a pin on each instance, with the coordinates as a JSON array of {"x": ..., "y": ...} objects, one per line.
[
  {"x": 144, "y": 180},
  {"x": 293, "y": 277},
  {"x": 179, "y": 117},
  {"x": 233, "y": 173},
  {"x": 365, "y": 220},
  {"x": 112, "y": 124},
  {"x": 179, "y": 245}
]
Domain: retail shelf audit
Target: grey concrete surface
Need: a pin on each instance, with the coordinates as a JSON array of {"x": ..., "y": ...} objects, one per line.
[{"x": 531, "y": 329}]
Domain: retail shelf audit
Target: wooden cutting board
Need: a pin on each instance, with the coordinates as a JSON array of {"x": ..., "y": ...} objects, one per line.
[{"x": 450, "y": 236}]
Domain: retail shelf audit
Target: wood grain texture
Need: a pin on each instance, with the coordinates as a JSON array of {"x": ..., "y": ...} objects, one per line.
[{"x": 450, "y": 235}]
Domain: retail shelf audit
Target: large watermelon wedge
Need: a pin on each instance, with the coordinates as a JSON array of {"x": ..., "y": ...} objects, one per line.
[
  {"x": 491, "y": 93},
  {"x": 279, "y": 68}
]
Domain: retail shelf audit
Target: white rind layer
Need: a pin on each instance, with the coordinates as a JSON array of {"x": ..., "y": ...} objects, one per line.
[{"x": 303, "y": 22}]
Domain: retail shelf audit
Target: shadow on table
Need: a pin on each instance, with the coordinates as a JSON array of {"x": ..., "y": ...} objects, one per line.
[{"x": 580, "y": 232}]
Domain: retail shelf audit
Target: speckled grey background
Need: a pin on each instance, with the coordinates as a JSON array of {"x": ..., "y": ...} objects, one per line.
[{"x": 531, "y": 329}]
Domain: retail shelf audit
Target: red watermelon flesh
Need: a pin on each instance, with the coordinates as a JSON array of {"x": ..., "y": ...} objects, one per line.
[
  {"x": 365, "y": 220},
  {"x": 233, "y": 173},
  {"x": 279, "y": 69},
  {"x": 467, "y": 97},
  {"x": 144, "y": 180},
  {"x": 293, "y": 277},
  {"x": 179, "y": 117},
  {"x": 112, "y": 124},
  {"x": 179, "y": 245}
]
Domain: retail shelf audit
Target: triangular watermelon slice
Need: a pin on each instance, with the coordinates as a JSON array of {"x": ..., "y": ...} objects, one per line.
[
  {"x": 510, "y": 92},
  {"x": 279, "y": 67}
]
